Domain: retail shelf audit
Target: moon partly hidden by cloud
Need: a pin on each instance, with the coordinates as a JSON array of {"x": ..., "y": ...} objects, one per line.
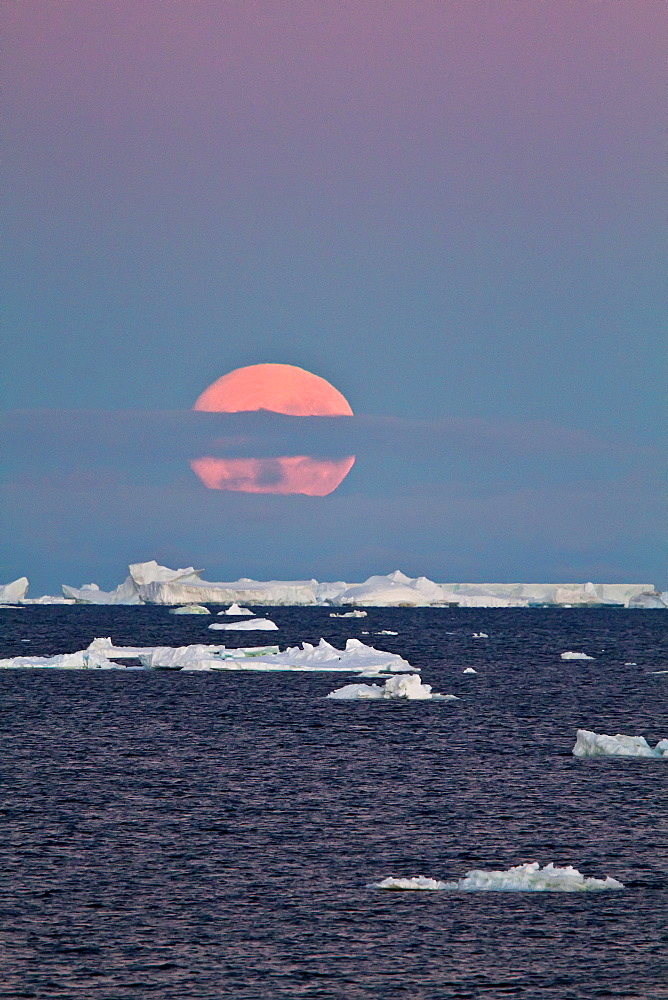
[{"x": 280, "y": 389}]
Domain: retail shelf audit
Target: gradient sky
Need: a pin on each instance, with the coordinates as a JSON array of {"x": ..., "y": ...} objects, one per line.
[{"x": 453, "y": 211}]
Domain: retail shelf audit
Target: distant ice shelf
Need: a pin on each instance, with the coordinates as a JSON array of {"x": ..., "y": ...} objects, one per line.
[{"x": 151, "y": 583}]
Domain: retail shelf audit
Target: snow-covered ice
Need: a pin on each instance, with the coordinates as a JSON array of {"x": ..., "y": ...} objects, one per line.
[
  {"x": 234, "y": 609},
  {"x": 252, "y": 625},
  {"x": 190, "y": 609},
  {"x": 386, "y": 631},
  {"x": 349, "y": 614},
  {"x": 480, "y": 635},
  {"x": 588, "y": 744},
  {"x": 520, "y": 878},
  {"x": 575, "y": 656},
  {"x": 406, "y": 686},
  {"x": 469, "y": 670}
]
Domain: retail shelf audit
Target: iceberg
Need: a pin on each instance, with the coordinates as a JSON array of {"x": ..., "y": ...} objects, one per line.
[
  {"x": 408, "y": 687},
  {"x": 520, "y": 878},
  {"x": 190, "y": 609},
  {"x": 588, "y": 744},
  {"x": 254, "y": 625},
  {"x": 575, "y": 656},
  {"x": 236, "y": 610},
  {"x": 348, "y": 614},
  {"x": 469, "y": 670},
  {"x": 14, "y": 592},
  {"x": 194, "y": 656}
]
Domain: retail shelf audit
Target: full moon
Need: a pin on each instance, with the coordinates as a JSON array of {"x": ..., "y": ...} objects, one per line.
[{"x": 280, "y": 389}]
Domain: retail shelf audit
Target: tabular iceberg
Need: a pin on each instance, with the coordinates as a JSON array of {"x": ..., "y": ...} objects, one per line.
[
  {"x": 588, "y": 744},
  {"x": 408, "y": 687},
  {"x": 520, "y": 878}
]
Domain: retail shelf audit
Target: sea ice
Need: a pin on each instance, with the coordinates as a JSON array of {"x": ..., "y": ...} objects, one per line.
[
  {"x": 575, "y": 656},
  {"x": 349, "y": 614},
  {"x": 588, "y": 744},
  {"x": 480, "y": 635},
  {"x": 520, "y": 878},
  {"x": 469, "y": 670},
  {"x": 190, "y": 609},
  {"x": 254, "y": 625},
  {"x": 236, "y": 610},
  {"x": 387, "y": 631},
  {"x": 406, "y": 686}
]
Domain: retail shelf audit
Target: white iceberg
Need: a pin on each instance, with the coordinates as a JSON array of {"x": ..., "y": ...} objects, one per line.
[
  {"x": 14, "y": 592},
  {"x": 588, "y": 744},
  {"x": 469, "y": 670},
  {"x": 406, "y": 686},
  {"x": 254, "y": 625},
  {"x": 575, "y": 656},
  {"x": 520, "y": 878},
  {"x": 480, "y": 635},
  {"x": 236, "y": 610},
  {"x": 386, "y": 631},
  {"x": 194, "y": 657},
  {"x": 355, "y": 658},
  {"x": 349, "y": 614},
  {"x": 190, "y": 609}
]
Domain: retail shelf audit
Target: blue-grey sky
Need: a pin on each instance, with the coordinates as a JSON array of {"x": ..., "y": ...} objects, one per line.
[{"x": 452, "y": 212}]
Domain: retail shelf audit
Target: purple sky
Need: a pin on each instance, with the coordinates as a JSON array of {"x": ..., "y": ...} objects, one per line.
[{"x": 451, "y": 211}]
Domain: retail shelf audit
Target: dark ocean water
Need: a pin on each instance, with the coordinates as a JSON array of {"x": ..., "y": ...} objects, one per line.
[{"x": 183, "y": 835}]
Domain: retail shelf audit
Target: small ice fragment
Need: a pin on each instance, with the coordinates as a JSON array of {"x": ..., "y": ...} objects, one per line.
[
  {"x": 417, "y": 882},
  {"x": 190, "y": 609},
  {"x": 480, "y": 635},
  {"x": 575, "y": 656},
  {"x": 406, "y": 686},
  {"x": 470, "y": 670},
  {"x": 520, "y": 878},
  {"x": 386, "y": 631},
  {"x": 234, "y": 609},
  {"x": 254, "y": 625},
  {"x": 349, "y": 614},
  {"x": 630, "y": 664},
  {"x": 588, "y": 744}
]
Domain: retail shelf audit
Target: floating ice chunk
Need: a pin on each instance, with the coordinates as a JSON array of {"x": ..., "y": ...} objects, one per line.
[
  {"x": 386, "y": 631},
  {"x": 190, "y": 609},
  {"x": 575, "y": 656},
  {"x": 588, "y": 744},
  {"x": 480, "y": 635},
  {"x": 349, "y": 614},
  {"x": 631, "y": 663},
  {"x": 236, "y": 610},
  {"x": 12, "y": 593},
  {"x": 417, "y": 882},
  {"x": 188, "y": 657},
  {"x": 406, "y": 686},
  {"x": 469, "y": 670},
  {"x": 254, "y": 625},
  {"x": 520, "y": 878},
  {"x": 355, "y": 658}
]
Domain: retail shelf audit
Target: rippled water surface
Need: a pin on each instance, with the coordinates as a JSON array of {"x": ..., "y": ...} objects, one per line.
[{"x": 184, "y": 835}]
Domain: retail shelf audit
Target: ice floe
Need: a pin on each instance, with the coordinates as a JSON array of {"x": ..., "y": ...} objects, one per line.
[
  {"x": 356, "y": 658},
  {"x": 190, "y": 609},
  {"x": 588, "y": 744},
  {"x": 386, "y": 631},
  {"x": 520, "y": 878},
  {"x": 349, "y": 614},
  {"x": 469, "y": 670},
  {"x": 406, "y": 686},
  {"x": 236, "y": 610},
  {"x": 480, "y": 635},
  {"x": 575, "y": 656},
  {"x": 252, "y": 625}
]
